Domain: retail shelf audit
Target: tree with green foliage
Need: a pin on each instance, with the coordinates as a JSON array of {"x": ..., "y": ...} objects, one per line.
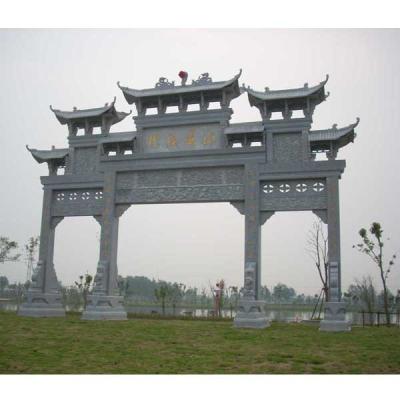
[
  {"x": 72, "y": 298},
  {"x": 281, "y": 293},
  {"x": 3, "y": 283},
  {"x": 7, "y": 247},
  {"x": 363, "y": 292},
  {"x": 373, "y": 248},
  {"x": 84, "y": 286},
  {"x": 265, "y": 294},
  {"x": 176, "y": 294}
]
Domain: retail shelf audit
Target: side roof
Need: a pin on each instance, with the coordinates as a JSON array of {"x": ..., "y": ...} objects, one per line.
[
  {"x": 343, "y": 136},
  {"x": 42, "y": 156},
  {"x": 295, "y": 97},
  {"x": 90, "y": 113}
]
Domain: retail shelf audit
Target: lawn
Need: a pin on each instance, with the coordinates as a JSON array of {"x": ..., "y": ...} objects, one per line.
[{"x": 152, "y": 346}]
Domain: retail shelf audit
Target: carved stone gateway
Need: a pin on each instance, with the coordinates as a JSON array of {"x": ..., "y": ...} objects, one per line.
[{"x": 191, "y": 156}]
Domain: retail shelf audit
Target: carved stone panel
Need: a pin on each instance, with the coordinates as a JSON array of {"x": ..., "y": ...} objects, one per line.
[
  {"x": 77, "y": 202},
  {"x": 287, "y": 147},
  {"x": 183, "y": 177},
  {"x": 292, "y": 195},
  {"x": 204, "y": 193},
  {"x": 85, "y": 160}
]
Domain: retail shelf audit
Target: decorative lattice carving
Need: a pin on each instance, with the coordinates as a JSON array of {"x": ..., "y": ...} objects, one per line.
[
  {"x": 85, "y": 196},
  {"x": 301, "y": 187},
  {"x": 284, "y": 188},
  {"x": 268, "y": 188},
  {"x": 318, "y": 187},
  {"x": 60, "y": 196},
  {"x": 72, "y": 196},
  {"x": 75, "y": 195}
]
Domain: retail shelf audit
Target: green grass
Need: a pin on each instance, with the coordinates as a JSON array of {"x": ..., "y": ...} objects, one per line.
[{"x": 183, "y": 346}]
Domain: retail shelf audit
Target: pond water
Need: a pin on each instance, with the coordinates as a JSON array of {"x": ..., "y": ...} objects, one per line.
[
  {"x": 273, "y": 313},
  {"x": 283, "y": 315}
]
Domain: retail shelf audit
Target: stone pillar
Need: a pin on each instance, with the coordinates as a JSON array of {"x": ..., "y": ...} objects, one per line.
[
  {"x": 335, "y": 310},
  {"x": 104, "y": 302},
  {"x": 250, "y": 312},
  {"x": 43, "y": 298}
]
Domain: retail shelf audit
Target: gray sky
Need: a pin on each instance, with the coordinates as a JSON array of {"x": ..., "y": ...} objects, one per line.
[{"x": 198, "y": 243}]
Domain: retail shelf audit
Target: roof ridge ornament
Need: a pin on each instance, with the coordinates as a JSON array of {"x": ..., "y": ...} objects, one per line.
[
  {"x": 164, "y": 83},
  {"x": 203, "y": 79},
  {"x": 243, "y": 88}
]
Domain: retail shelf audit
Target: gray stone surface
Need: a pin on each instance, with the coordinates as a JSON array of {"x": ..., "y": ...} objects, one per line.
[
  {"x": 40, "y": 304},
  {"x": 191, "y": 156},
  {"x": 335, "y": 318},
  {"x": 103, "y": 307},
  {"x": 251, "y": 315}
]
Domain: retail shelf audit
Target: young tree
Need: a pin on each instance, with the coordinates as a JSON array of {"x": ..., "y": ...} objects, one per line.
[
  {"x": 30, "y": 255},
  {"x": 162, "y": 293},
  {"x": 373, "y": 248},
  {"x": 317, "y": 247},
  {"x": 8, "y": 246},
  {"x": 84, "y": 285},
  {"x": 233, "y": 296},
  {"x": 176, "y": 293},
  {"x": 203, "y": 299}
]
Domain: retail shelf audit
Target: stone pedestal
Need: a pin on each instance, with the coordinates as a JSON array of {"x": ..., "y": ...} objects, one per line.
[
  {"x": 251, "y": 315},
  {"x": 335, "y": 318},
  {"x": 39, "y": 304},
  {"x": 102, "y": 307}
]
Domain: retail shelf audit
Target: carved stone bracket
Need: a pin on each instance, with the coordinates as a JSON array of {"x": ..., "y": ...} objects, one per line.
[
  {"x": 98, "y": 218},
  {"x": 239, "y": 205},
  {"x": 120, "y": 209},
  {"x": 265, "y": 215},
  {"x": 55, "y": 221},
  {"x": 322, "y": 214}
]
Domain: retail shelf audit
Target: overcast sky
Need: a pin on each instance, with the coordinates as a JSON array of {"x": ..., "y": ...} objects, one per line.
[{"x": 199, "y": 243}]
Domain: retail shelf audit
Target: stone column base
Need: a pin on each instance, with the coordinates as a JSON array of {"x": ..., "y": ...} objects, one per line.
[
  {"x": 102, "y": 307},
  {"x": 39, "y": 304},
  {"x": 251, "y": 315},
  {"x": 335, "y": 318}
]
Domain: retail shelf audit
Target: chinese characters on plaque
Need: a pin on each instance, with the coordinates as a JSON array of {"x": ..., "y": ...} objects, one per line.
[{"x": 182, "y": 140}]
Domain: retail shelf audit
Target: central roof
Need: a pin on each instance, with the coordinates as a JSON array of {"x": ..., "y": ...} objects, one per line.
[{"x": 165, "y": 88}]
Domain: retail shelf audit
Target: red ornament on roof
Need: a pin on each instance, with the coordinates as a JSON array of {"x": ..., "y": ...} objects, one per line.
[{"x": 183, "y": 75}]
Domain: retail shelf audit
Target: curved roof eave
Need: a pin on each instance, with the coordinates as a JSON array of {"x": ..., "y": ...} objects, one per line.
[
  {"x": 335, "y": 134},
  {"x": 42, "y": 156},
  {"x": 65, "y": 116},
  {"x": 132, "y": 94},
  {"x": 271, "y": 95}
]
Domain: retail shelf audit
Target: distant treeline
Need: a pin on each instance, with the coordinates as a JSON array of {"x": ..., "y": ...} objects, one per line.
[{"x": 142, "y": 290}]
